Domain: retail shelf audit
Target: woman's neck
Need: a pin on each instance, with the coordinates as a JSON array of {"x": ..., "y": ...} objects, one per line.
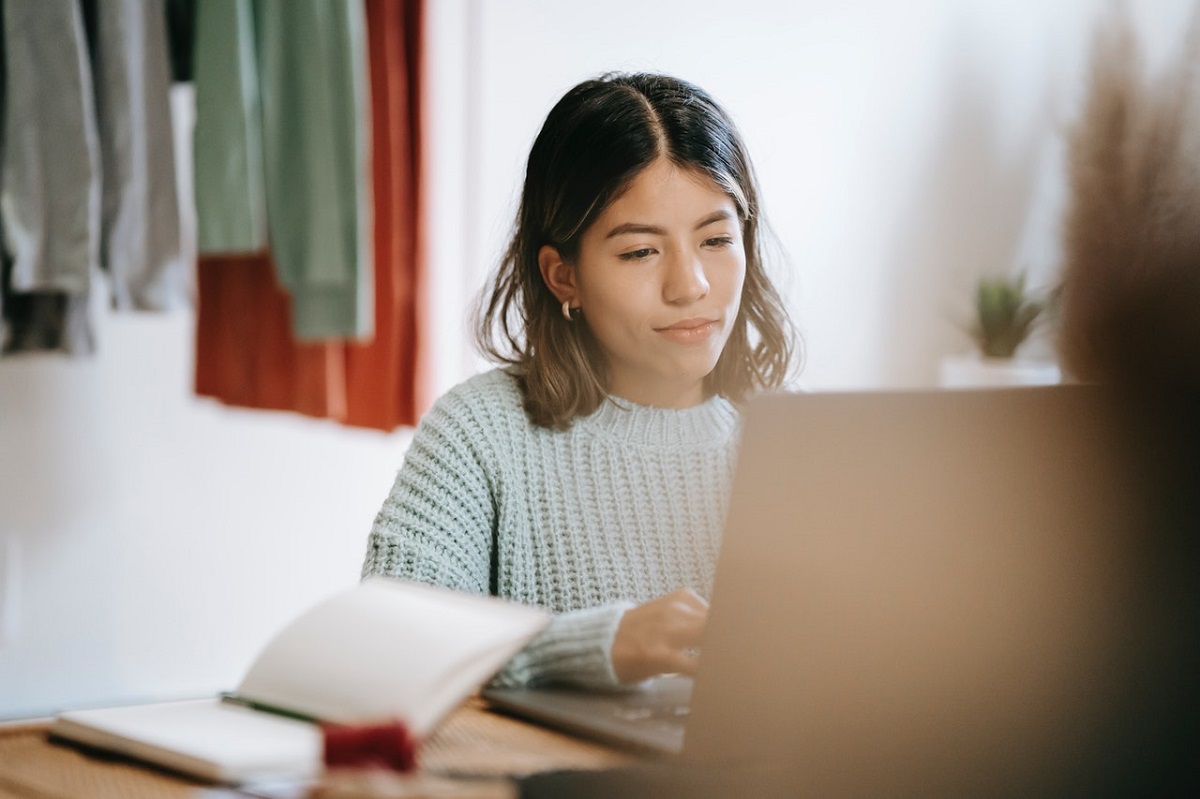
[{"x": 669, "y": 396}]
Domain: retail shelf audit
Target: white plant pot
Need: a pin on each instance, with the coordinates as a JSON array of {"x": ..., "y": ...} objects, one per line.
[{"x": 976, "y": 371}]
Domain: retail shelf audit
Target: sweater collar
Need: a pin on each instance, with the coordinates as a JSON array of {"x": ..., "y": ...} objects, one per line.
[{"x": 714, "y": 420}]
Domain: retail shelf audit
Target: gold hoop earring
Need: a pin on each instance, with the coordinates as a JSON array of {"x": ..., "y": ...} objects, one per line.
[{"x": 569, "y": 313}]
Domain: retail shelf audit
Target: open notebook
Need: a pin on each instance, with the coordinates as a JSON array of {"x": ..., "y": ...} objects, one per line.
[
  {"x": 915, "y": 589},
  {"x": 382, "y": 650}
]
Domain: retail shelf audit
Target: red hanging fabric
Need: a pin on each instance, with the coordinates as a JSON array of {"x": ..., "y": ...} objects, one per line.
[
  {"x": 245, "y": 352},
  {"x": 386, "y": 381}
]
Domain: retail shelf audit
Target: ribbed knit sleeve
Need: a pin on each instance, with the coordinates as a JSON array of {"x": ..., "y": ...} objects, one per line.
[
  {"x": 576, "y": 648},
  {"x": 436, "y": 525},
  {"x": 625, "y": 506}
]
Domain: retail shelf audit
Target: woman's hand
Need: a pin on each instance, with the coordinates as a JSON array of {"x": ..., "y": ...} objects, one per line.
[{"x": 660, "y": 637}]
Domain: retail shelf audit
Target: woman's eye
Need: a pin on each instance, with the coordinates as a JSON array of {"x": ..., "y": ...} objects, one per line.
[
  {"x": 637, "y": 255},
  {"x": 718, "y": 241}
]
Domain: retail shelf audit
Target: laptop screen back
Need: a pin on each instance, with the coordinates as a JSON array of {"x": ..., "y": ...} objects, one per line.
[{"x": 917, "y": 590}]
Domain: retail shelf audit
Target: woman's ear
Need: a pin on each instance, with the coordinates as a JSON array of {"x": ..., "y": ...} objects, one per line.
[{"x": 558, "y": 275}]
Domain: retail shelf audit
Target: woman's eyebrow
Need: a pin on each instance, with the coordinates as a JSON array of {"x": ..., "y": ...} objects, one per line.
[
  {"x": 715, "y": 216},
  {"x": 634, "y": 227},
  {"x": 654, "y": 230}
]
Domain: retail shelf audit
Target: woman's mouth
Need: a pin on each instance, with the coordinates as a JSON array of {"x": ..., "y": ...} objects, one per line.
[{"x": 689, "y": 331}]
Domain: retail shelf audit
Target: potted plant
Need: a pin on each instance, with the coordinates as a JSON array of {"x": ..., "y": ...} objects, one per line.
[{"x": 1006, "y": 313}]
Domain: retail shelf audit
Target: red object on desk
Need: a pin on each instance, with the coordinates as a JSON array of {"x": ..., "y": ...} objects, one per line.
[{"x": 385, "y": 746}]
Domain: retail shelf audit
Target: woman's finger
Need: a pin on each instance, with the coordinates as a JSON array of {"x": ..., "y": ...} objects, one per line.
[{"x": 685, "y": 630}]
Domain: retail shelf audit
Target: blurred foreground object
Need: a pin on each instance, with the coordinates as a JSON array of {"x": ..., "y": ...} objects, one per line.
[
  {"x": 388, "y": 746},
  {"x": 1130, "y": 303},
  {"x": 374, "y": 784},
  {"x": 1130, "y": 317}
]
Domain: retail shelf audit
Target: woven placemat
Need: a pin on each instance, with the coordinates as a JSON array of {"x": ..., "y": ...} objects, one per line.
[
  {"x": 31, "y": 767},
  {"x": 474, "y": 741}
]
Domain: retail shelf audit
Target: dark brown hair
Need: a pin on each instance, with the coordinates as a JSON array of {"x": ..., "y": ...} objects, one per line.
[{"x": 594, "y": 142}]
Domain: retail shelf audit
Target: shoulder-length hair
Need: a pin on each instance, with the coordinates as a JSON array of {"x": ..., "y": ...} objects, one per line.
[{"x": 594, "y": 142}]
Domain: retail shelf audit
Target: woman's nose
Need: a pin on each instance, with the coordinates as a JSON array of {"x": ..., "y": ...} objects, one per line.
[{"x": 685, "y": 280}]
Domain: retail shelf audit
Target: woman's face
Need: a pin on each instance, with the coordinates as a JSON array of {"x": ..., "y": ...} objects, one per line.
[{"x": 659, "y": 278}]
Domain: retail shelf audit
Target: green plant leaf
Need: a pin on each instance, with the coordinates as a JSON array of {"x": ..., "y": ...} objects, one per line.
[{"x": 1005, "y": 315}]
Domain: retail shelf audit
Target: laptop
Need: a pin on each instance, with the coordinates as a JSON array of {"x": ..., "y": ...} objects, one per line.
[
  {"x": 915, "y": 590},
  {"x": 650, "y": 718}
]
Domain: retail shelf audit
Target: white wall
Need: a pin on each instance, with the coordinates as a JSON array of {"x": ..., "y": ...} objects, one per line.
[
  {"x": 150, "y": 541},
  {"x": 900, "y": 146},
  {"x": 157, "y": 539}
]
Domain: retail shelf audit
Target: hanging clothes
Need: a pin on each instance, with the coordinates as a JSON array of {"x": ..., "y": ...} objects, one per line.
[
  {"x": 242, "y": 357},
  {"x": 88, "y": 168},
  {"x": 140, "y": 237},
  {"x": 227, "y": 143},
  {"x": 315, "y": 123},
  {"x": 249, "y": 356},
  {"x": 387, "y": 379},
  {"x": 181, "y": 38},
  {"x": 281, "y": 146},
  {"x": 50, "y": 173},
  {"x": 43, "y": 321}
]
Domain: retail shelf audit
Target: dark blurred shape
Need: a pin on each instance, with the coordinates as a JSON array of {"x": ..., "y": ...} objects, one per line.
[
  {"x": 388, "y": 746},
  {"x": 181, "y": 37},
  {"x": 1130, "y": 301},
  {"x": 42, "y": 321},
  {"x": 1131, "y": 319}
]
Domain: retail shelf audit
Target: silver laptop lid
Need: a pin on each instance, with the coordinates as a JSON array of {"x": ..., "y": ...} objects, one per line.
[{"x": 916, "y": 584}]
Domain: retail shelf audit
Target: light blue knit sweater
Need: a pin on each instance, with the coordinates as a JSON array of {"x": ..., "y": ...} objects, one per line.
[{"x": 625, "y": 506}]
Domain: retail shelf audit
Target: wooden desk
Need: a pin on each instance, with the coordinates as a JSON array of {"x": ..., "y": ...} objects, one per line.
[{"x": 472, "y": 741}]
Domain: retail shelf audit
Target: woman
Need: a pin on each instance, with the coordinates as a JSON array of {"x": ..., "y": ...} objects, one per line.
[{"x": 632, "y": 312}]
